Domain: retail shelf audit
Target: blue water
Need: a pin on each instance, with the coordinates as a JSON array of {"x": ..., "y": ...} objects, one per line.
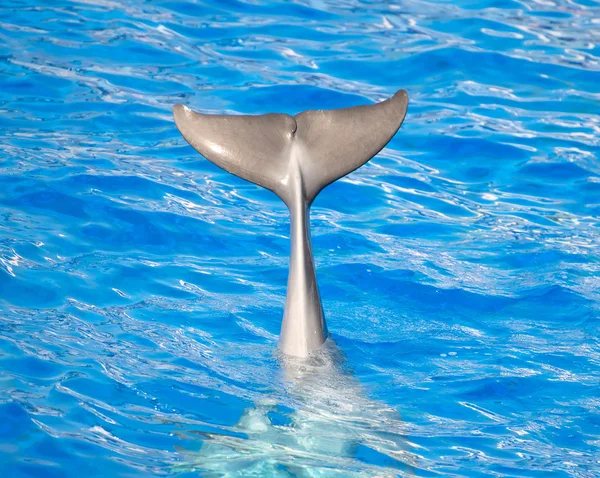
[{"x": 142, "y": 288}]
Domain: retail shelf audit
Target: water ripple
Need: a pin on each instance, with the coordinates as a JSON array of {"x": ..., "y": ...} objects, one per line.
[{"x": 141, "y": 288}]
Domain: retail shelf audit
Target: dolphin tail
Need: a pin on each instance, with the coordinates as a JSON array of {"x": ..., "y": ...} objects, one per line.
[{"x": 296, "y": 157}]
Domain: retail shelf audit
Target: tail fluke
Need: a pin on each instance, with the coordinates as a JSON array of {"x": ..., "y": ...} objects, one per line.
[{"x": 323, "y": 145}]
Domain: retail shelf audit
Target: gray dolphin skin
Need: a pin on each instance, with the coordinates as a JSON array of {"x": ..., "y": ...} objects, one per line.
[{"x": 296, "y": 157}]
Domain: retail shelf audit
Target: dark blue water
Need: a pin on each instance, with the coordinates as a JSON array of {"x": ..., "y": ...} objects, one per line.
[{"x": 142, "y": 288}]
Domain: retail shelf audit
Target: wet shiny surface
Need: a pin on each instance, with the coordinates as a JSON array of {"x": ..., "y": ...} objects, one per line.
[{"x": 142, "y": 288}]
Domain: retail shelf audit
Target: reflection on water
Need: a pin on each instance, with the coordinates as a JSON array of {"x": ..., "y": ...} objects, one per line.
[{"x": 328, "y": 424}]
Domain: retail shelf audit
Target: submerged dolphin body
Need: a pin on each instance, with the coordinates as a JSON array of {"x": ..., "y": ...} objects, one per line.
[
  {"x": 319, "y": 423},
  {"x": 296, "y": 157}
]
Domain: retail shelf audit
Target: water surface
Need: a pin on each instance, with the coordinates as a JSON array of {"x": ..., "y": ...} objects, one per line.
[{"x": 142, "y": 288}]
